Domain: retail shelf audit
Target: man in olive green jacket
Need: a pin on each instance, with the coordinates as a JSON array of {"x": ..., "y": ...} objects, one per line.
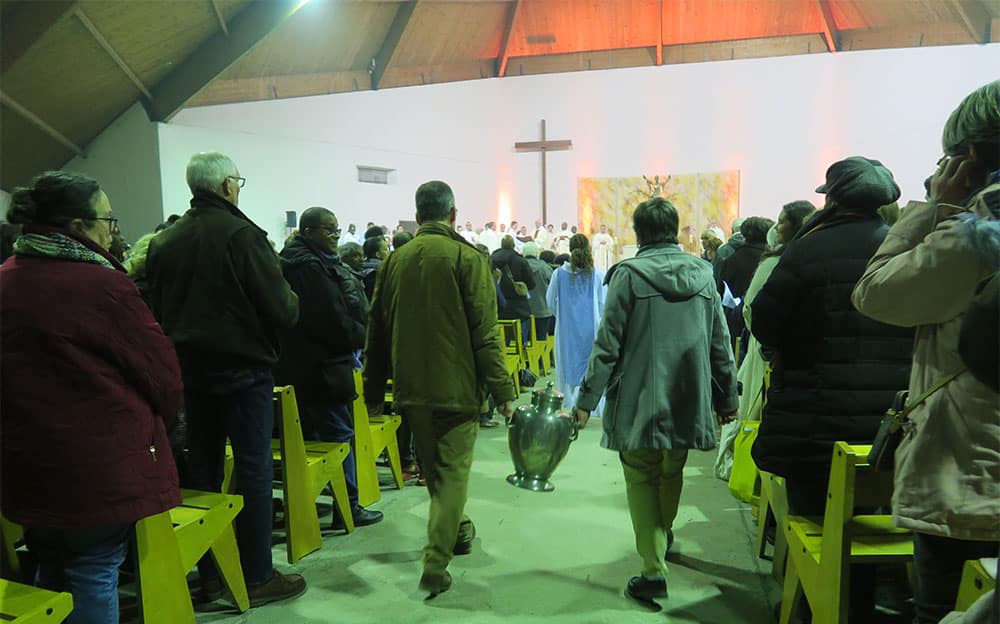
[{"x": 433, "y": 330}]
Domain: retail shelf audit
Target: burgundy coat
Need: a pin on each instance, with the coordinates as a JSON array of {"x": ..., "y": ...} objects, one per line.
[{"x": 88, "y": 381}]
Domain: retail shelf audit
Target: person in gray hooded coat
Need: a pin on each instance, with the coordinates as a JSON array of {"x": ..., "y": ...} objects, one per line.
[{"x": 663, "y": 354}]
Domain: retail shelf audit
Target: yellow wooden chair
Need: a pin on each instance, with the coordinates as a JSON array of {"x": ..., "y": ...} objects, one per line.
[
  {"x": 306, "y": 469},
  {"x": 169, "y": 544},
  {"x": 535, "y": 351},
  {"x": 550, "y": 345},
  {"x": 820, "y": 554},
  {"x": 976, "y": 582},
  {"x": 24, "y": 604},
  {"x": 372, "y": 435},
  {"x": 514, "y": 355}
]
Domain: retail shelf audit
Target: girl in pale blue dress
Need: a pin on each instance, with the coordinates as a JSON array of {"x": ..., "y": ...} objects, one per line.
[{"x": 576, "y": 296}]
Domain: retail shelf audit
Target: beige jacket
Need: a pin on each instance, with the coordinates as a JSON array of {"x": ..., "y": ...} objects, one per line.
[{"x": 924, "y": 275}]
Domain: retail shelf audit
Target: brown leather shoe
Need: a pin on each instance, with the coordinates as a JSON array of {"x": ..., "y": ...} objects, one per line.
[
  {"x": 435, "y": 584},
  {"x": 280, "y": 587}
]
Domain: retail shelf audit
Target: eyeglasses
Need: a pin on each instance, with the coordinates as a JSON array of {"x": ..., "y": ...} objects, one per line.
[
  {"x": 112, "y": 222},
  {"x": 241, "y": 182},
  {"x": 329, "y": 230}
]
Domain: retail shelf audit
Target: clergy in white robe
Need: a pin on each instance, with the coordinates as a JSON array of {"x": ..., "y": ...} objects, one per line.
[
  {"x": 469, "y": 234},
  {"x": 561, "y": 244},
  {"x": 489, "y": 238},
  {"x": 604, "y": 249}
]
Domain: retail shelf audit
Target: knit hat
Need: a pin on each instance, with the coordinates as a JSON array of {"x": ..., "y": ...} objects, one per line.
[{"x": 859, "y": 182}]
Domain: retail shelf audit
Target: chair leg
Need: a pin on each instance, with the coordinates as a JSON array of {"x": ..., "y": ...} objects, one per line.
[
  {"x": 163, "y": 592},
  {"x": 301, "y": 519},
  {"x": 791, "y": 594},
  {"x": 392, "y": 447},
  {"x": 227, "y": 559},
  {"x": 339, "y": 486}
]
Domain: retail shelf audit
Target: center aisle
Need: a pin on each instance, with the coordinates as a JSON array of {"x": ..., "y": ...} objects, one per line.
[{"x": 563, "y": 556}]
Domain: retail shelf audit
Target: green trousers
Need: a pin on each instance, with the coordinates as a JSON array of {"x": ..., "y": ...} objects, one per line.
[
  {"x": 444, "y": 442},
  {"x": 653, "y": 482}
]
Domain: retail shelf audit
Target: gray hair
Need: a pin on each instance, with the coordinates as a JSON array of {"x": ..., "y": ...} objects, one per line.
[
  {"x": 206, "y": 171},
  {"x": 435, "y": 201},
  {"x": 348, "y": 248}
]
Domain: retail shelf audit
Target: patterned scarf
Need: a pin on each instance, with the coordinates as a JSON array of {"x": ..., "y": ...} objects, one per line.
[{"x": 56, "y": 245}]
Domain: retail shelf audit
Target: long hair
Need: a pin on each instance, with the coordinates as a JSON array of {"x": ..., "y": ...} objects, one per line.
[{"x": 580, "y": 257}]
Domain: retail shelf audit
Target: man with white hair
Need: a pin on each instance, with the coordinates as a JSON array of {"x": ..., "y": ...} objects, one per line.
[
  {"x": 216, "y": 287},
  {"x": 469, "y": 234}
]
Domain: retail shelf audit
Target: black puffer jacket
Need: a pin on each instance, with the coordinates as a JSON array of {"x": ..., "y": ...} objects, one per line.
[
  {"x": 317, "y": 354},
  {"x": 835, "y": 372},
  {"x": 512, "y": 265}
]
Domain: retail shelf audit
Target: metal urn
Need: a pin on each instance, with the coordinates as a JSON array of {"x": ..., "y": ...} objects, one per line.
[{"x": 539, "y": 436}]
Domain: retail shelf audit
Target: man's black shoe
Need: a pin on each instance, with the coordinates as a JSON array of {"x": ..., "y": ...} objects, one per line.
[
  {"x": 362, "y": 517},
  {"x": 643, "y": 590},
  {"x": 466, "y": 533}
]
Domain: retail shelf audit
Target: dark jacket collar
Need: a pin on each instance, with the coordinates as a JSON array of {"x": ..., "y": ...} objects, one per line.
[
  {"x": 299, "y": 250},
  {"x": 204, "y": 199},
  {"x": 38, "y": 228}
]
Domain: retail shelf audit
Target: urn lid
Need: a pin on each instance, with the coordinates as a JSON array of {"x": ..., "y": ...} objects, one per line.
[{"x": 547, "y": 398}]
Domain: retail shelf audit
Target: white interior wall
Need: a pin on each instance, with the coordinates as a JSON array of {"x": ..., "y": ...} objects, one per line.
[
  {"x": 780, "y": 121},
  {"x": 124, "y": 159}
]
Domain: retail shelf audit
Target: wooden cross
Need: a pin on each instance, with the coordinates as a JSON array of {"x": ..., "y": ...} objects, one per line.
[{"x": 543, "y": 146}]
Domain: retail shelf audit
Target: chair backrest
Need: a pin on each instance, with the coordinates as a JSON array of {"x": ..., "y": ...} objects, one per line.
[
  {"x": 291, "y": 442},
  {"x": 853, "y": 486},
  {"x": 362, "y": 423}
]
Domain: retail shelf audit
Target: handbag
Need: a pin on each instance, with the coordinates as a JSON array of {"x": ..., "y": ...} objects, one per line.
[
  {"x": 896, "y": 423},
  {"x": 744, "y": 476},
  {"x": 520, "y": 288},
  {"x": 527, "y": 378}
]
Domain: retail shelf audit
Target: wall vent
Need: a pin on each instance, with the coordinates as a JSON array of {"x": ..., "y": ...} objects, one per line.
[{"x": 375, "y": 175}]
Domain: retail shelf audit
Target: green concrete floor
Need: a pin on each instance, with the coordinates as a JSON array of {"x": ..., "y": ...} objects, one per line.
[{"x": 563, "y": 556}]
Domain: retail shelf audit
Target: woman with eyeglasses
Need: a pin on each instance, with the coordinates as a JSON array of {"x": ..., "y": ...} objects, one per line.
[{"x": 89, "y": 383}]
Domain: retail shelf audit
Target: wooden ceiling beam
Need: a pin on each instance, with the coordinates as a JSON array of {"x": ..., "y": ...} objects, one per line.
[
  {"x": 384, "y": 57},
  {"x": 974, "y": 18},
  {"x": 40, "y": 123},
  {"x": 508, "y": 31},
  {"x": 220, "y": 17},
  {"x": 24, "y": 25},
  {"x": 659, "y": 41},
  {"x": 830, "y": 33},
  {"x": 216, "y": 54},
  {"x": 104, "y": 43}
]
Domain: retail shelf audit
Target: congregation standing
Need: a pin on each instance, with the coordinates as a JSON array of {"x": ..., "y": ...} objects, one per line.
[{"x": 843, "y": 308}]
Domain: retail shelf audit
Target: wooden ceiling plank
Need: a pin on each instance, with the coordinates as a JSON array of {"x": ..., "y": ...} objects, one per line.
[
  {"x": 221, "y": 17},
  {"x": 659, "y": 41},
  {"x": 40, "y": 123},
  {"x": 383, "y": 59},
  {"x": 830, "y": 32},
  {"x": 505, "y": 42},
  {"x": 216, "y": 54},
  {"x": 24, "y": 26},
  {"x": 103, "y": 42},
  {"x": 974, "y": 18}
]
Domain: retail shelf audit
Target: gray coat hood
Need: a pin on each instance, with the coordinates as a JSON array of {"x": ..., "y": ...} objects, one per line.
[{"x": 669, "y": 271}]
